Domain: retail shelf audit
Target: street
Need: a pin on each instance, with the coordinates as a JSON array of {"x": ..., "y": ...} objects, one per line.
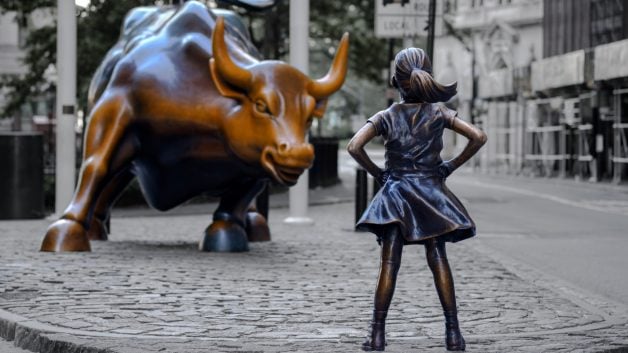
[{"x": 577, "y": 232}]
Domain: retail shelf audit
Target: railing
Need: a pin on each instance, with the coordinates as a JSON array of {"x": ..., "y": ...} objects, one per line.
[
  {"x": 584, "y": 157},
  {"x": 621, "y": 143},
  {"x": 545, "y": 149},
  {"x": 505, "y": 154}
]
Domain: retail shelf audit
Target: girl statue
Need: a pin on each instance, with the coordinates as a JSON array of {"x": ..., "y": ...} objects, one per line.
[{"x": 414, "y": 206}]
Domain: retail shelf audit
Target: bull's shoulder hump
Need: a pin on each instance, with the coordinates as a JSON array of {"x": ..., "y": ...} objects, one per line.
[
  {"x": 192, "y": 17},
  {"x": 135, "y": 17}
]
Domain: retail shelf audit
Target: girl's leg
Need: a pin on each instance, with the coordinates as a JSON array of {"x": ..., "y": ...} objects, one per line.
[
  {"x": 392, "y": 245},
  {"x": 437, "y": 261}
]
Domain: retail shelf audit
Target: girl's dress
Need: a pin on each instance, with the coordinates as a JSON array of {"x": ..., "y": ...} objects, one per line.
[{"x": 415, "y": 197}]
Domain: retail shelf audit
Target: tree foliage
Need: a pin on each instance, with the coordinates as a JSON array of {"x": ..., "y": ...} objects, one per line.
[
  {"x": 41, "y": 44},
  {"x": 99, "y": 25},
  {"x": 329, "y": 19},
  {"x": 98, "y": 28}
]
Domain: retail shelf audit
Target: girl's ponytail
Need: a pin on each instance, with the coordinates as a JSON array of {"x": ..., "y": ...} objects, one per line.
[
  {"x": 424, "y": 88},
  {"x": 414, "y": 80}
]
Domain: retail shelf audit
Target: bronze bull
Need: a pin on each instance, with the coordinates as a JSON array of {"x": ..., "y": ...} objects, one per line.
[{"x": 186, "y": 107}]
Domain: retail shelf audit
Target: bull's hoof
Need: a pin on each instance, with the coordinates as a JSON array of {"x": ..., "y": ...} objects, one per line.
[
  {"x": 224, "y": 236},
  {"x": 97, "y": 230},
  {"x": 256, "y": 227},
  {"x": 65, "y": 235}
]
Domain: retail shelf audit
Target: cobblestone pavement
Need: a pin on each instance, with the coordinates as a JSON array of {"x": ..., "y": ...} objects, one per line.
[{"x": 149, "y": 289}]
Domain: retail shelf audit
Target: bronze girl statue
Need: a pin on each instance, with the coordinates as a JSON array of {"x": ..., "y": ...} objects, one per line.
[{"x": 414, "y": 206}]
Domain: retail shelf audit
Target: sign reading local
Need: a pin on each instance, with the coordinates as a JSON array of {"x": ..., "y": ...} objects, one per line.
[{"x": 401, "y": 18}]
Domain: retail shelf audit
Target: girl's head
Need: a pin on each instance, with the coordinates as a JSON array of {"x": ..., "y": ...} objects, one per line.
[{"x": 413, "y": 78}]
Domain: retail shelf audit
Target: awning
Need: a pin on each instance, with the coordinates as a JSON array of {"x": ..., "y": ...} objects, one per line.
[
  {"x": 558, "y": 71},
  {"x": 611, "y": 61}
]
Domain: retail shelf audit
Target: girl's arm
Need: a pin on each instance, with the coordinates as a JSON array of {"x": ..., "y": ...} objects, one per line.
[
  {"x": 356, "y": 150},
  {"x": 477, "y": 138}
]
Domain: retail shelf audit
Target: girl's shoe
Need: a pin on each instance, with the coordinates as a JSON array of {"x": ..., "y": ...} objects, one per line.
[
  {"x": 453, "y": 337},
  {"x": 377, "y": 340}
]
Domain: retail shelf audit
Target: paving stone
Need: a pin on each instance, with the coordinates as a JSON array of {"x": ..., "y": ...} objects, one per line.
[{"x": 149, "y": 289}]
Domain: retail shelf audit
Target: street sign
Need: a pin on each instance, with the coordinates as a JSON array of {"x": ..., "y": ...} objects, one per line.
[{"x": 401, "y": 18}]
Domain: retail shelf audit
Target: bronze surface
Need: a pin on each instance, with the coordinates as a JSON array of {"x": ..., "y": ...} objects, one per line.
[{"x": 183, "y": 104}]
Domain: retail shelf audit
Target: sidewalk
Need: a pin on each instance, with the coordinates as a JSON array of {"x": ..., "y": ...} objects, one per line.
[{"x": 310, "y": 289}]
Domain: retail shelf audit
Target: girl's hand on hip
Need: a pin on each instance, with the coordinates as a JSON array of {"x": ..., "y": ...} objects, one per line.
[{"x": 445, "y": 169}]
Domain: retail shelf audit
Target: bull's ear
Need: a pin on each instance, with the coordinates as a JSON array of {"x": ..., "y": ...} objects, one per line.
[
  {"x": 223, "y": 87},
  {"x": 319, "y": 108}
]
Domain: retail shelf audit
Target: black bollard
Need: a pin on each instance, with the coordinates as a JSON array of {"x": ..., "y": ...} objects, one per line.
[
  {"x": 361, "y": 193},
  {"x": 376, "y": 187}
]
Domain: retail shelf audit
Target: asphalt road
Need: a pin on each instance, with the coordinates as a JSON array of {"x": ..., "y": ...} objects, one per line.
[{"x": 577, "y": 232}]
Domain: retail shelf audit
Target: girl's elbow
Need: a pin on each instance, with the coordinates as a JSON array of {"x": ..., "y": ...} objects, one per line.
[
  {"x": 352, "y": 148},
  {"x": 482, "y": 138}
]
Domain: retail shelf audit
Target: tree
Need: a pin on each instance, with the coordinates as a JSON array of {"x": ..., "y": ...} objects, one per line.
[
  {"x": 41, "y": 52},
  {"x": 98, "y": 28},
  {"x": 329, "y": 19}
]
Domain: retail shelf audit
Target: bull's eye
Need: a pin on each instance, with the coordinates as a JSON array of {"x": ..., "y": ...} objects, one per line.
[{"x": 262, "y": 107}]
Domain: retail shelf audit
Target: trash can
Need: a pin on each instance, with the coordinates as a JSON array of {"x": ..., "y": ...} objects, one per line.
[
  {"x": 324, "y": 171},
  {"x": 21, "y": 175}
]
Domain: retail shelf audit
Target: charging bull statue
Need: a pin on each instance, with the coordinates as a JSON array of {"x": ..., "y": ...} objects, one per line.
[{"x": 182, "y": 104}]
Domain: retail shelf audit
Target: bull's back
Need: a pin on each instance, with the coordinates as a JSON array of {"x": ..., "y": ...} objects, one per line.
[
  {"x": 139, "y": 23},
  {"x": 178, "y": 37}
]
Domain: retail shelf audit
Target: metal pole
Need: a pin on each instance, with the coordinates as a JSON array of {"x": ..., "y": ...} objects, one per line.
[
  {"x": 299, "y": 58},
  {"x": 391, "y": 57},
  {"x": 66, "y": 100},
  {"x": 431, "y": 21}
]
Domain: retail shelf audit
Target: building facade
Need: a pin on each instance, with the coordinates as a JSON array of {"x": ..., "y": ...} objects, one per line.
[
  {"x": 14, "y": 31},
  {"x": 546, "y": 80},
  {"x": 488, "y": 48}
]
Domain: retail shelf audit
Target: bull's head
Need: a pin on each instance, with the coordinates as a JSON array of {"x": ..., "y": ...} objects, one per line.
[{"x": 276, "y": 105}]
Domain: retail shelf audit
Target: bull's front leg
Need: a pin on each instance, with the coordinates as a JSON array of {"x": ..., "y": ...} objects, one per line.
[
  {"x": 235, "y": 222},
  {"x": 107, "y": 153}
]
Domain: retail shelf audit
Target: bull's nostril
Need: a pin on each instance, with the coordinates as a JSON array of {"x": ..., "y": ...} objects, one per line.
[{"x": 283, "y": 147}]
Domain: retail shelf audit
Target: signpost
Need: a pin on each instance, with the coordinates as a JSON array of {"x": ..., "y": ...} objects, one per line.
[
  {"x": 401, "y": 18},
  {"x": 405, "y": 19}
]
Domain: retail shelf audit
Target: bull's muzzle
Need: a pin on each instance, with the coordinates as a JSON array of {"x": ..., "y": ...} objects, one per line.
[{"x": 286, "y": 163}]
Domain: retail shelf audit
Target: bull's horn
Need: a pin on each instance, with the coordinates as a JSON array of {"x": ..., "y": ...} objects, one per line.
[
  {"x": 331, "y": 82},
  {"x": 228, "y": 70}
]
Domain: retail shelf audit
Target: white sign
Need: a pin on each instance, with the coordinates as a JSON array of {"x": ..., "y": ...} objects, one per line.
[{"x": 401, "y": 18}]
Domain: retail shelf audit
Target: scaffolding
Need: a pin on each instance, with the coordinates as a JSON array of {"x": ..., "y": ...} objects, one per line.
[
  {"x": 620, "y": 134},
  {"x": 545, "y": 142},
  {"x": 584, "y": 157},
  {"x": 503, "y": 133}
]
